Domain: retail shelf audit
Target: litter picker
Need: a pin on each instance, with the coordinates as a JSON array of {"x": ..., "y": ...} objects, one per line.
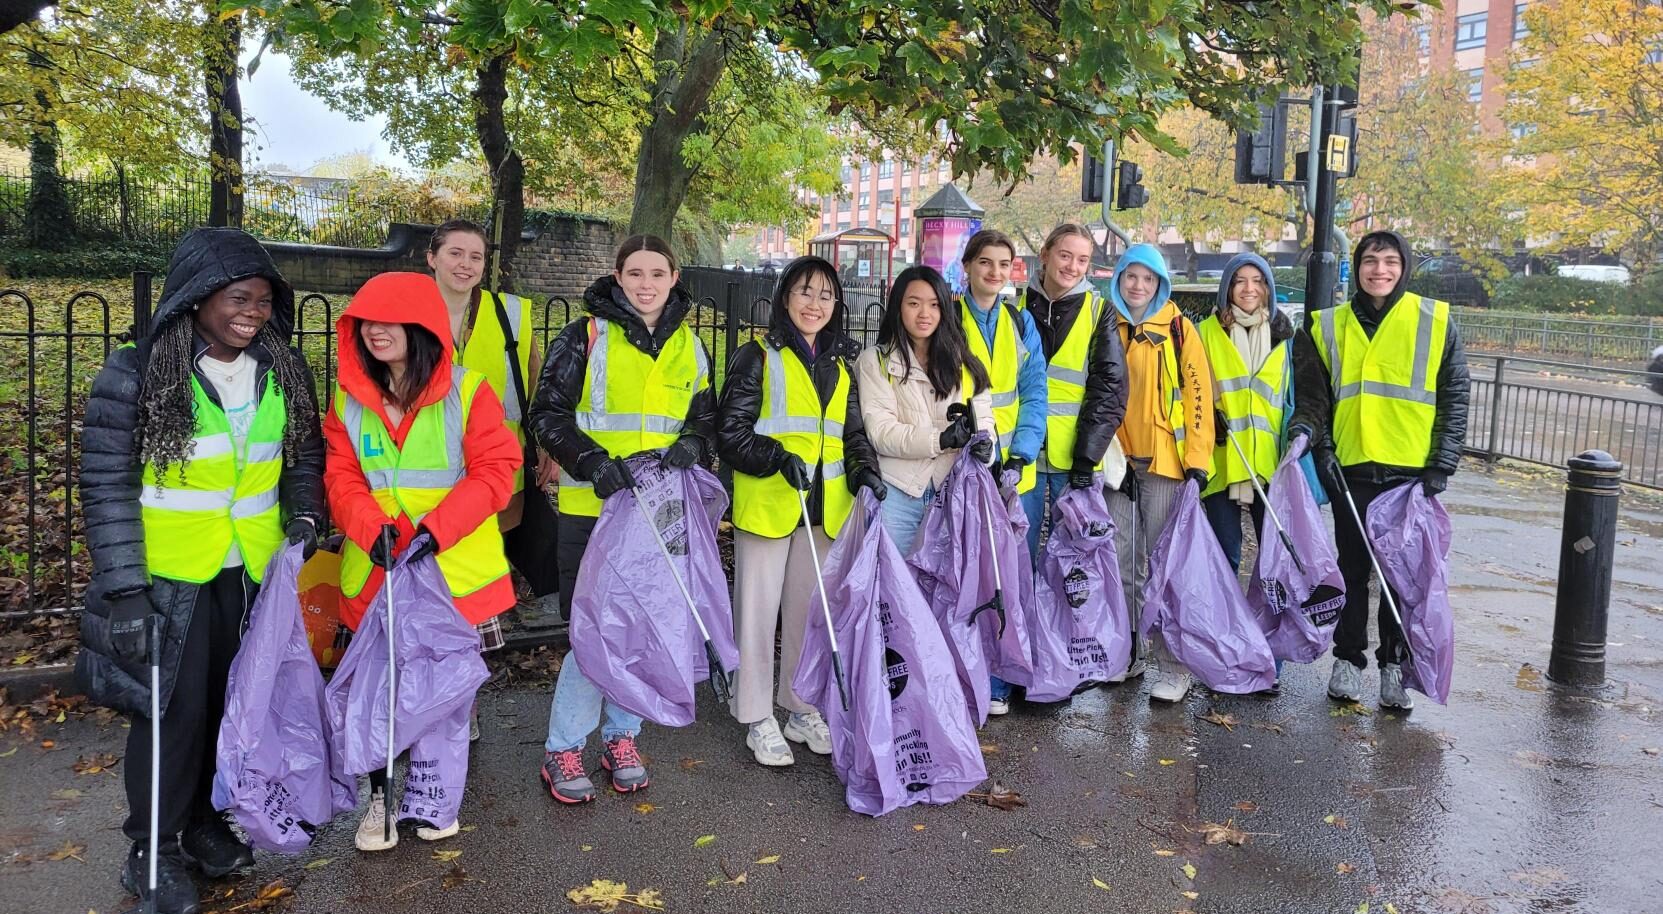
[
  {"x": 718, "y": 672},
  {"x": 1385, "y": 587},
  {"x": 1270, "y": 509},
  {"x": 825, "y": 603},
  {"x": 392, "y": 698},
  {"x": 997, "y": 603},
  {"x": 154, "y": 649}
]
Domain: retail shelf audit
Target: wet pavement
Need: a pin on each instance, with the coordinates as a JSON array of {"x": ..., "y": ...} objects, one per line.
[{"x": 1517, "y": 797}]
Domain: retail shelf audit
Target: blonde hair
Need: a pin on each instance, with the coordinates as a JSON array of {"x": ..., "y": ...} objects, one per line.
[{"x": 1061, "y": 232}]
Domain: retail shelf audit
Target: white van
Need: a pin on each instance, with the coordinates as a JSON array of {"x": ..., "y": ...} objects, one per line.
[{"x": 1597, "y": 272}]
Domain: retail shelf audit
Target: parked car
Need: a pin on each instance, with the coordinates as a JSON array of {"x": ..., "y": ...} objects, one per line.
[
  {"x": 1451, "y": 279},
  {"x": 1597, "y": 272}
]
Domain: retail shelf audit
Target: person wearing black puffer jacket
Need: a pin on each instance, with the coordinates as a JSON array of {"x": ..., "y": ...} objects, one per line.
[
  {"x": 1383, "y": 395},
  {"x": 789, "y": 424},
  {"x": 201, "y": 453}
]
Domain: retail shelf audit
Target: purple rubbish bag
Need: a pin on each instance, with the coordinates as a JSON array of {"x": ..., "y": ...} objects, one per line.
[
  {"x": 907, "y": 737},
  {"x": 954, "y": 566},
  {"x": 632, "y": 631},
  {"x": 439, "y": 670},
  {"x": 274, "y": 767},
  {"x": 1080, "y": 631},
  {"x": 1192, "y": 601},
  {"x": 1297, "y": 604},
  {"x": 1411, "y": 535}
]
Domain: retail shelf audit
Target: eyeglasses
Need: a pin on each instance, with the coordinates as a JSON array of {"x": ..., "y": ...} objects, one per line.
[{"x": 804, "y": 293}]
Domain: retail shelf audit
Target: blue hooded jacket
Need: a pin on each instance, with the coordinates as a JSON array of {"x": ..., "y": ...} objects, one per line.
[{"x": 1150, "y": 256}]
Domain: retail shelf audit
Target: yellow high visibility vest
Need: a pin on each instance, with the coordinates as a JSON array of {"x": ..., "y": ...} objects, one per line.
[
  {"x": 196, "y": 511},
  {"x": 1004, "y": 366},
  {"x": 1386, "y": 388},
  {"x": 412, "y": 480},
  {"x": 486, "y": 352},
  {"x": 632, "y": 402},
  {"x": 1065, "y": 382},
  {"x": 1252, "y": 403},
  {"x": 792, "y": 415}
]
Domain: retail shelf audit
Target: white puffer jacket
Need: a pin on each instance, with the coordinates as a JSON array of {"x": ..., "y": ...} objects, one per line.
[{"x": 904, "y": 421}]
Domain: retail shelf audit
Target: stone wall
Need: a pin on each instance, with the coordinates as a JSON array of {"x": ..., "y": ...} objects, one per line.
[{"x": 560, "y": 256}]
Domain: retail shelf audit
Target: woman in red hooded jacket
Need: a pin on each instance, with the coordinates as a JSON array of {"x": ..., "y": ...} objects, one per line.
[{"x": 397, "y": 398}]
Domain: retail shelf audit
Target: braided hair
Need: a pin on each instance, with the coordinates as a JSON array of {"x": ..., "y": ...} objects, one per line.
[{"x": 167, "y": 405}]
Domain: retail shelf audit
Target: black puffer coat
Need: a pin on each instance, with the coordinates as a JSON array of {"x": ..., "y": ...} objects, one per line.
[
  {"x": 1103, "y": 407},
  {"x": 1313, "y": 391},
  {"x": 206, "y": 261},
  {"x": 745, "y": 451},
  {"x": 552, "y": 419}
]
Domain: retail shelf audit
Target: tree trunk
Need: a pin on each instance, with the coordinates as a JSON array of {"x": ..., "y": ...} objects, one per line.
[
  {"x": 507, "y": 169},
  {"x": 220, "y": 69},
  {"x": 688, "y": 67},
  {"x": 48, "y": 218},
  {"x": 1190, "y": 264}
]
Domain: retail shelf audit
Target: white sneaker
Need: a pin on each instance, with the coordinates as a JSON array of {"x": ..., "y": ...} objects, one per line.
[
  {"x": 438, "y": 834},
  {"x": 1346, "y": 682},
  {"x": 372, "y": 833},
  {"x": 1171, "y": 686},
  {"x": 998, "y": 707},
  {"x": 1392, "y": 693},
  {"x": 768, "y": 744},
  {"x": 810, "y": 729},
  {"x": 1133, "y": 671}
]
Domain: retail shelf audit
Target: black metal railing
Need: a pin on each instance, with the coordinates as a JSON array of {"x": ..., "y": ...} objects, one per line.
[{"x": 1590, "y": 340}]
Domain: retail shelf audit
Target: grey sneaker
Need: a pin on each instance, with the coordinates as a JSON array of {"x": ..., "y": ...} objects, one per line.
[
  {"x": 1392, "y": 693},
  {"x": 564, "y": 775},
  {"x": 1171, "y": 686},
  {"x": 1346, "y": 682},
  {"x": 473, "y": 723},
  {"x": 623, "y": 760},
  {"x": 810, "y": 729},
  {"x": 767, "y": 743}
]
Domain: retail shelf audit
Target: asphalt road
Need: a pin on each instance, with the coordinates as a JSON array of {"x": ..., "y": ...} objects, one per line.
[{"x": 1517, "y": 797}]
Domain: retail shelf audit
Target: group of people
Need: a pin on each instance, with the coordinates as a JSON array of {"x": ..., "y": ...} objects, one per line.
[{"x": 205, "y": 450}]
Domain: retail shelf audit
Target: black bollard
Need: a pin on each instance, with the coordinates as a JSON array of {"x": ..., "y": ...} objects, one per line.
[{"x": 1586, "y": 550}]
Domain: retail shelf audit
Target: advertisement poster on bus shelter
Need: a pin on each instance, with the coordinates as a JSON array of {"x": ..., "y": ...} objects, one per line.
[{"x": 943, "y": 240}]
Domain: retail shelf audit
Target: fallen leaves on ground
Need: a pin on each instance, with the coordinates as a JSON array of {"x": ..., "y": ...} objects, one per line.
[
  {"x": 1000, "y": 797},
  {"x": 1227, "y": 721},
  {"x": 1167, "y": 761},
  {"x": 1163, "y": 852},
  {"x": 704, "y": 840},
  {"x": 990, "y": 748},
  {"x": 67, "y": 793},
  {"x": 455, "y": 876},
  {"x": 269, "y": 894},
  {"x": 606, "y": 895},
  {"x": 645, "y": 809},
  {"x": 319, "y": 863},
  {"x": 1272, "y": 728},
  {"x": 1191, "y": 895},
  {"x": 1228, "y": 833},
  {"x": 770, "y": 859},
  {"x": 1348, "y": 709},
  {"x": 98, "y": 764},
  {"x": 1246, "y": 806},
  {"x": 1189, "y": 870},
  {"x": 69, "y": 851},
  {"x": 688, "y": 764},
  {"x": 1336, "y": 821},
  {"x": 1099, "y": 883},
  {"x": 1344, "y": 868},
  {"x": 446, "y": 856}
]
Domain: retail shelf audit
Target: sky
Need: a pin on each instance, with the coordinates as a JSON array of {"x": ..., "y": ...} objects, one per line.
[{"x": 295, "y": 128}]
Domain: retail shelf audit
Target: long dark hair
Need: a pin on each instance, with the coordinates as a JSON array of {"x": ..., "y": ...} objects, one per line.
[
  {"x": 422, "y": 352},
  {"x": 796, "y": 273},
  {"x": 435, "y": 243},
  {"x": 637, "y": 243},
  {"x": 949, "y": 353}
]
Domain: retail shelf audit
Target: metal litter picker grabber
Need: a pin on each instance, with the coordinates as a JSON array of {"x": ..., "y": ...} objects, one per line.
[
  {"x": 719, "y": 683},
  {"x": 825, "y": 604},
  {"x": 392, "y": 699},
  {"x": 1385, "y": 587},
  {"x": 154, "y": 649},
  {"x": 1270, "y": 509}
]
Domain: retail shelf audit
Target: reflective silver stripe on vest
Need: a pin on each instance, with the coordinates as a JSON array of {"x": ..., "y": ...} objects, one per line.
[
  {"x": 1331, "y": 344},
  {"x": 568, "y": 481},
  {"x": 788, "y": 425},
  {"x": 264, "y": 452},
  {"x": 1257, "y": 423},
  {"x": 1067, "y": 375},
  {"x": 833, "y": 429},
  {"x": 254, "y": 504},
  {"x": 627, "y": 422},
  {"x": 1260, "y": 387},
  {"x": 702, "y": 361},
  {"x": 185, "y": 499},
  {"x": 776, "y": 396},
  {"x": 511, "y": 402},
  {"x": 779, "y": 420},
  {"x": 1009, "y": 398},
  {"x": 1392, "y": 391},
  {"x": 413, "y": 479},
  {"x": 831, "y": 470},
  {"x": 1062, "y": 409},
  {"x": 208, "y": 446},
  {"x": 454, "y": 424},
  {"x": 597, "y": 419},
  {"x": 1006, "y": 439},
  {"x": 1416, "y": 391}
]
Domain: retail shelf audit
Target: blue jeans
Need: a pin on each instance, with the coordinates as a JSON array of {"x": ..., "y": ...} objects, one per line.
[
  {"x": 1224, "y": 516},
  {"x": 576, "y": 709},
  {"x": 903, "y": 516},
  {"x": 1048, "y": 487}
]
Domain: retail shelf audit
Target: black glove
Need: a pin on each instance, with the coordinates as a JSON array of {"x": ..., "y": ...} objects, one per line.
[
  {"x": 1014, "y": 463},
  {"x": 301, "y": 531},
  {"x": 1433, "y": 482},
  {"x": 1080, "y": 478},
  {"x": 982, "y": 451},
  {"x": 796, "y": 473},
  {"x": 686, "y": 451},
  {"x": 868, "y": 478},
  {"x": 1200, "y": 477},
  {"x": 958, "y": 431},
  {"x": 611, "y": 477},
  {"x": 422, "y": 546},
  {"x": 1329, "y": 472},
  {"x": 1221, "y": 428},
  {"x": 381, "y": 551},
  {"x": 1294, "y": 431},
  {"x": 1129, "y": 485},
  {"x": 130, "y": 633}
]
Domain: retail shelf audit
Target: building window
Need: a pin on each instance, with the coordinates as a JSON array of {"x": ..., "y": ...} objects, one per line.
[
  {"x": 906, "y": 168},
  {"x": 906, "y": 229},
  {"x": 1475, "y": 84},
  {"x": 865, "y": 199},
  {"x": 1470, "y": 30},
  {"x": 1520, "y": 131},
  {"x": 886, "y": 198},
  {"x": 843, "y": 226},
  {"x": 1423, "y": 38},
  {"x": 1520, "y": 30},
  {"x": 847, "y": 173},
  {"x": 906, "y": 196},
  {"x": 886, "y": 168},
  {"x": 1655, "y": 55}
]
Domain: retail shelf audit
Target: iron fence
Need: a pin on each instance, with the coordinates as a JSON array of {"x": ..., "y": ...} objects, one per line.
[
  {"x": 1589, "y": 340},
  {"x": 49, "y": 354},
  {"x": 1548, "y": 412}
]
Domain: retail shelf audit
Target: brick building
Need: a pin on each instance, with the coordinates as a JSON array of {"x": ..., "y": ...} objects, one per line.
[{"x": 876, "y": 194}]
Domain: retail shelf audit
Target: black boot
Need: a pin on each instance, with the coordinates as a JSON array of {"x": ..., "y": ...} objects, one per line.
[
  {"x": 214, "y": 848},
  {"x": 176, "y": 891}
]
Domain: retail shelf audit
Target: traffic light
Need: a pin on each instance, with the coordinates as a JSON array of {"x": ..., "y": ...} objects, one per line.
[
  {"x": 1260, "y": 154},
  {"x": 1129, "y": 192},
  {"x": 1091, "y": 179}
]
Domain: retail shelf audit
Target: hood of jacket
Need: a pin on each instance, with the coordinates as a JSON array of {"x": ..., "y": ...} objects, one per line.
[
  {"x": 209, "y": 259},
  {"x": 1396, "y": 240},
  {"x": 1036, "y": 285},
  {"x": 1281, "y": 328},
  {"x": 1149, "y": 256},
  {"x": 606, "y": 299},
  {"x": 393, "y": 298}
]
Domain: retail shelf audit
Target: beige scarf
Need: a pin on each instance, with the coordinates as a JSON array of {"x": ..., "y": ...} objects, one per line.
[{"x": 1251, "y": 334}]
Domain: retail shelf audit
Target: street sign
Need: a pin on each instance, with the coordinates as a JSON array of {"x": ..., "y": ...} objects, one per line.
[{"x": 1339, "y": 153}]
